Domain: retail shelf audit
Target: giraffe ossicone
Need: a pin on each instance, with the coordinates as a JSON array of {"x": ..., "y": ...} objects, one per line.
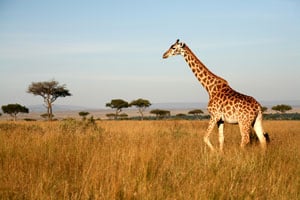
[{"x": 225, "y": 104}]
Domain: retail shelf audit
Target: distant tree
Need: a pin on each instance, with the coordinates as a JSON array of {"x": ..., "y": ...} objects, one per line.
[
  {"x": 0, "y": 114},
  {"x": 46, "y": 116},
  {"x": 181, "y": 115},
  {"x": 83, "y": 114},
  {"x": 111, "y": 115},
  {"x": 264, "y": 109},
  {"x": 141, "y": 104},
  {"x": 118, "y": 105},
  {"x": 50, "y": 91},
  {"x": 14, "y": 109},
  {"x": 196, "y": 112},
  {"x": 160, "y": 113},
  {"x": 123, "y": 116},
  {"x": 282, "y": 108}
]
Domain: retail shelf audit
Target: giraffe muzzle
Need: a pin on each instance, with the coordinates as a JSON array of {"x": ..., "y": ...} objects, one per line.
[{"x": 165, "y": 55}]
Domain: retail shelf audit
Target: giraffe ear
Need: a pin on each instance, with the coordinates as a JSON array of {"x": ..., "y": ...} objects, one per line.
[{"x": 182, "y": 45}]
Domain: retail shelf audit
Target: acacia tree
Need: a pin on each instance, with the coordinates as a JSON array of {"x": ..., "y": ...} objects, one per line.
[
  {"x": 14, "y": 109},
  {"x": 196, "y": 112},
  {"x": 117, "y": 104},
  {"x": 50, "y": 91},
  {"x": 282, "y": 108},
  {"x": 83, "y": 114},
  {"x": 111, "y": 115},
  {"x": 141, "y": 104},
  {"x": 160, "y": 113}
]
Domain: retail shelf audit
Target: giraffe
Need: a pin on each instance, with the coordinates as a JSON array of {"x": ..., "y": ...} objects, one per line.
[{"x": 225, "y": 104}]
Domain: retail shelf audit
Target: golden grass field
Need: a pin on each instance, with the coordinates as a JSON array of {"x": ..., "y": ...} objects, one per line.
[{"x": 144, "y": 160}]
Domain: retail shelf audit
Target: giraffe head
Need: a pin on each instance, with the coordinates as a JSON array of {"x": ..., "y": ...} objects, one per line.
[{"x": 175, "y": 49}]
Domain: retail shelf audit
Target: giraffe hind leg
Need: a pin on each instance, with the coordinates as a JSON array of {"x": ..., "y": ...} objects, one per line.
[
  {"x": 211, "y": 125},
  {"x": 221, "y": 134}
]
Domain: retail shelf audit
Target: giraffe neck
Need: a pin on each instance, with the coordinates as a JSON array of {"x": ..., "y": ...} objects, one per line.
[{"x": 211, "y": 82}]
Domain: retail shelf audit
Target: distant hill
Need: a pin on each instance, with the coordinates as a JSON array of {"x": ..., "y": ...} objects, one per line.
[
  {"x": 165, "y": 105},
  {"x": 201, "y": 105},
  {"x": 293, "y": 103},
  {"x": 191, "y": 105}
]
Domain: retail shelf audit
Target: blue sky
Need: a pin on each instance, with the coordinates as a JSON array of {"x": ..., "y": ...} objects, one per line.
[{"x": 113, "y": 49}]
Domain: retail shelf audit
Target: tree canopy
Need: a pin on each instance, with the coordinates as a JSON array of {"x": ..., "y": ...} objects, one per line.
[
  {"x": 141, "y": 104},
  {"x": 196, "y": 112},
  {"x": 50, "y": 91},
  {"x": 14, "y": 109},
  {"x": 160, "y": 113},
  {"x": 264, "y": 109},
  {"x": 282, "y": 108},
  {"x": 83, "y": 114},
  {"x": 118, "y": 105},
  {"x": 111, "y": 115}
]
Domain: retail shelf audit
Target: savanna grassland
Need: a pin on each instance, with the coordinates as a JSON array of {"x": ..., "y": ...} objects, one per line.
[{"x": 144, "y": 160}]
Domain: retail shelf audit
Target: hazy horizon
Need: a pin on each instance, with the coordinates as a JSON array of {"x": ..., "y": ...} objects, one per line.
[{"x": 161, "y": 105}]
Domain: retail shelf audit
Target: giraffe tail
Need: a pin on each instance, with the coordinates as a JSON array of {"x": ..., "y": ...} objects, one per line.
[
  {"x": 254, "y": 138},
  {"x": 262, "y": 136},
  {"x": 267, "y": 137}
]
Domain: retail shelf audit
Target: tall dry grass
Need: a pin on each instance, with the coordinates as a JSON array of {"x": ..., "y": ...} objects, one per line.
[{"x": 144, "y": 160}]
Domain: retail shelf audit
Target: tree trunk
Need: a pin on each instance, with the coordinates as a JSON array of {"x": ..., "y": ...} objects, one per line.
[
  {"x": 142, "y": 114},
  {"x": 50, "y": 112},
  {"x": 14, "y": 116},
  {"x": 49, "y": 108},
  {"x": 116, "y": 115}
]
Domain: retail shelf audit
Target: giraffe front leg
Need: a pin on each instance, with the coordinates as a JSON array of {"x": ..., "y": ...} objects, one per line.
[{"x": 211, "y": 125}]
